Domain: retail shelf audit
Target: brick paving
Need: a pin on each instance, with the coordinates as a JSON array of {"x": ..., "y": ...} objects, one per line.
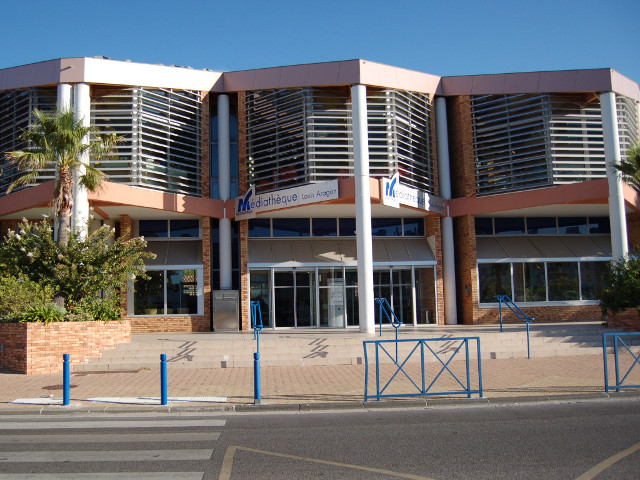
[{"x": 515, "y": 378}]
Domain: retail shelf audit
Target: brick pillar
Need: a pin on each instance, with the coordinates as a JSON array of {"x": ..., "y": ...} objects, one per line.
[
  {"x": 243, "y": 185},
  {"x": 205, "y": 145},
  {"x": 463, "y": 175},
  {"x": 633, "y": 231},
  {"x": 433, "y": 229},
  {"x": 466, "y": 271},
  {"x": 206, "y": 268}
]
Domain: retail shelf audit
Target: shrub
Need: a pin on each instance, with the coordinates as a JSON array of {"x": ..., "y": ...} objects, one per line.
[
  {"x": 45, "y": 313},
  {"x": 623, "y": 285},
  {"x": 103, "y": 309},
  {"x": 17, "y": 293}
]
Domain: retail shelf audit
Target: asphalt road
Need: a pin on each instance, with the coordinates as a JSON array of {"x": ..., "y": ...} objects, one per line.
[{"x": 595, "y": 439}]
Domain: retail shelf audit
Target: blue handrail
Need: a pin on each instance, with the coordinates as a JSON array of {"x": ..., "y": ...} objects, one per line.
[
  {"x": 256, "y": 323},
  {"x": 519, "y": 313},
  {"x": 617, "y": 341},
  {"x": 391, "y": 317}
]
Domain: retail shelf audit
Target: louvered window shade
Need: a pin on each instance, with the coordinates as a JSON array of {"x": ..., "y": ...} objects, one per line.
[
  {"x": 161, "y": 137},
  {"x": 16, "y": 107},
  {"x": 523, "y": 142},
  {"x": 305, "y": 135}
]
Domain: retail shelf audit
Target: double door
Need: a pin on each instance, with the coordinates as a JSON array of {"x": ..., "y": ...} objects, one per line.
[{"x": 294, "y": 298}]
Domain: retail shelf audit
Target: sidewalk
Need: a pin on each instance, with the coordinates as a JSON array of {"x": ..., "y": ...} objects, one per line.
[{"x": 331, "y": 386}]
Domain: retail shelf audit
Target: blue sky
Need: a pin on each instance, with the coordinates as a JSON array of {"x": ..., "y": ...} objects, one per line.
[{"x": 439, "y": 37}]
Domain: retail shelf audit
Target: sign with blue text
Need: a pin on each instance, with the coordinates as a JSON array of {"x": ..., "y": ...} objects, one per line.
[
  {"x": 395, "y": 194},
  {"x": 251, "y": 203}
]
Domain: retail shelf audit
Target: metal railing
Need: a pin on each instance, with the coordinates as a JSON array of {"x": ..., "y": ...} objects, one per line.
[
  {"x": 388, "y": 312},
  {"x": 401, "y": 366},
  {"x": 618, "y": 341},
  {"x": 519, "y": 313}
]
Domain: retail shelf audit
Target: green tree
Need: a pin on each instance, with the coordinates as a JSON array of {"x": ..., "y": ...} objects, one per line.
[
  {"x": 59, "y": 139},
  {"x": 80, "y": 271},
  {"x": 629, "y": 168}
]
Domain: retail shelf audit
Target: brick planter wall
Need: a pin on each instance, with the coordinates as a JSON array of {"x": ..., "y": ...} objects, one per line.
[
  {"x": 628, "y": 319},
  {"x": 170, "y": 324},
  {"x": 569, "y": 313},
  {"x": 32, "y": 348}
]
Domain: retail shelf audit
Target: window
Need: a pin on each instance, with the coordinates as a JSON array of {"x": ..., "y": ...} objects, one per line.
[
  {"x": 386, "y": 227},
  {"x": 151, "y": 229},
  {"x": 168, "y": 292},
  {"x": 325, "y": 227},
  {"x": 542, "y": 281},
  {"x": 572, "y": 226},
  {"x": 509, "y": 226},
  {"x": 541, "y": 225},
  {"x": 259, "y": 227},
  {"x": 291, "y": 227}
]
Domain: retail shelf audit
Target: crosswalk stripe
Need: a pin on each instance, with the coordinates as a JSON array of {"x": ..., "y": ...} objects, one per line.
[
  {"x": 155, "y": 423},
  {"x": 104, "y": 476},
  {"x": 112, "y": 438},
  {"x": 105, "y": 456}
]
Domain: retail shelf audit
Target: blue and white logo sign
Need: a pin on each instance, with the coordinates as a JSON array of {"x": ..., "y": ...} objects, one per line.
[
  {"x": 395, "y": 194},
  {"x": 251, "y": 203},
  {"x": 390, "y": 186}
]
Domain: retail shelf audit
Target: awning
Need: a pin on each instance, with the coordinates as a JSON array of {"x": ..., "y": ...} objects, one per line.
[
  {"x": 294, "y": 252},
  {"x": 543, "y": 248},
  {"x": 174, "y": 252}
]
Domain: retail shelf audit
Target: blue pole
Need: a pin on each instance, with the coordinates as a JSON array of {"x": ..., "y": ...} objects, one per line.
[
  {"x": 606, "y": 368},
  {"x": 163, "y": 379},
  {"x": 528, "y": 347},
  {"x": 257, "y": 397},
  {"x": 500, "y": 309},
  {"x": 65, "y": 380}
]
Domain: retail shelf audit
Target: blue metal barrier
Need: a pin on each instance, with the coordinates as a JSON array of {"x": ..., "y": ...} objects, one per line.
[
  {"x": 519, "y": 313},
  {"x": 163, "y": 379},
  {"x": 422, "y": 345},
  {"x": 256, "y": 323},
  {"x": 617, "y": 341},
  {"x": 390, "y": 315}
]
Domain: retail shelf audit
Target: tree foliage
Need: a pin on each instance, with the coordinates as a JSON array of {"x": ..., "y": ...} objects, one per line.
[
  {"x": 623, "y": 285},
  {"x": 629, "y": 168},
  {"x": 60, "y": 139},
  {"x": 87, "y": 272}
]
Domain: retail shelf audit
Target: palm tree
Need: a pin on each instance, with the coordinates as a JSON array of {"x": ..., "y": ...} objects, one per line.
[
  {"x": 59, "y": 139},
  {"x": 629, "y": 168}
]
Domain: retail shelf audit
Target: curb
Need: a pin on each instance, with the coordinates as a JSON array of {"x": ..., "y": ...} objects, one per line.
[{"x": 316, "y": 407}]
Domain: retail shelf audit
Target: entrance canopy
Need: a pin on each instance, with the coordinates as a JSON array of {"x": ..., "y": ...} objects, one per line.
[
  {"x": 292, "y": 252},
  {"x": 543, "y": 247}
]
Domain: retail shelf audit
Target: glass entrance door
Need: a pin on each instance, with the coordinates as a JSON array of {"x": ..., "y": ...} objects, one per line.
[{"x": 294, "y": 295}]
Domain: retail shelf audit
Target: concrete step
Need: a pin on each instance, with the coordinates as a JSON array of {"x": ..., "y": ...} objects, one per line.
[{"x": 209, "y": 350}]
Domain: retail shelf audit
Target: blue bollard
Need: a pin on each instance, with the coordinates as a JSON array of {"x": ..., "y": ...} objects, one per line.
[
  {"x": 256, "y": 378},
  {"x": 65, "y": 380},
  {"x": 163, "y": 379}
]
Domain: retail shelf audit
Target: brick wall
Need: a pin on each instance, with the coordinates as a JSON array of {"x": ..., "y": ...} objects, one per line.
[
  {"x": 33, "y": 348},
  {"x": 628, "y": 319},
  {"x": 573, "y": 313},
  {"x": 243, "y": 185},
  {"x": 171, "y": 323},
  {"x": 633, "y": 230}
]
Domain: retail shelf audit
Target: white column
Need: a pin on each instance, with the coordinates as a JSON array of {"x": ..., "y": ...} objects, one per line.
[
  {"x": 64, "y": 97},
  {"x": 82, "y": 110},
  {"x": 63, "y": 104},
  {"x": 363, "y": 209},
  {"x": 224, "y": 190},
  {"x": 617, "y": 216},
  {"x": 448, "y": 253}
]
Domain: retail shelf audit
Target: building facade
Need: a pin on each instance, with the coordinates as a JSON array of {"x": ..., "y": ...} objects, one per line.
[{"x": 315, "y": 189}]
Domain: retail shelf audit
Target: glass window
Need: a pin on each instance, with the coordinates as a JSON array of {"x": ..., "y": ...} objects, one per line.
[
  {"x": 541, "y": 225},
  {"x": 509, "y": 225},
  {"x": 386, "y": 227},
  {"x": 260, "y": 289},
  {"x": 529, "y": 283},
  {"x": 563, "y": 281},
  {"x": 291, "y": 227},
  {"x": 599, "y": 225},
  {"x": 153, "y": 228},
  {"x": 182, "y": 292},
  {"x": 325, "y": 227},
  {"x": 149, "y": 294},
  {"x": 414, "y": 227},
  {"x": 484, "y": 226},
  {"x": 347, "y": 227},
  {"x": 592, "y": 275},
  {"x": 185, "y": 228},
  {"x": 572, "y": 225},
  {"x": 259, "y": 227},
  {"x": 494, "y": 279}
]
